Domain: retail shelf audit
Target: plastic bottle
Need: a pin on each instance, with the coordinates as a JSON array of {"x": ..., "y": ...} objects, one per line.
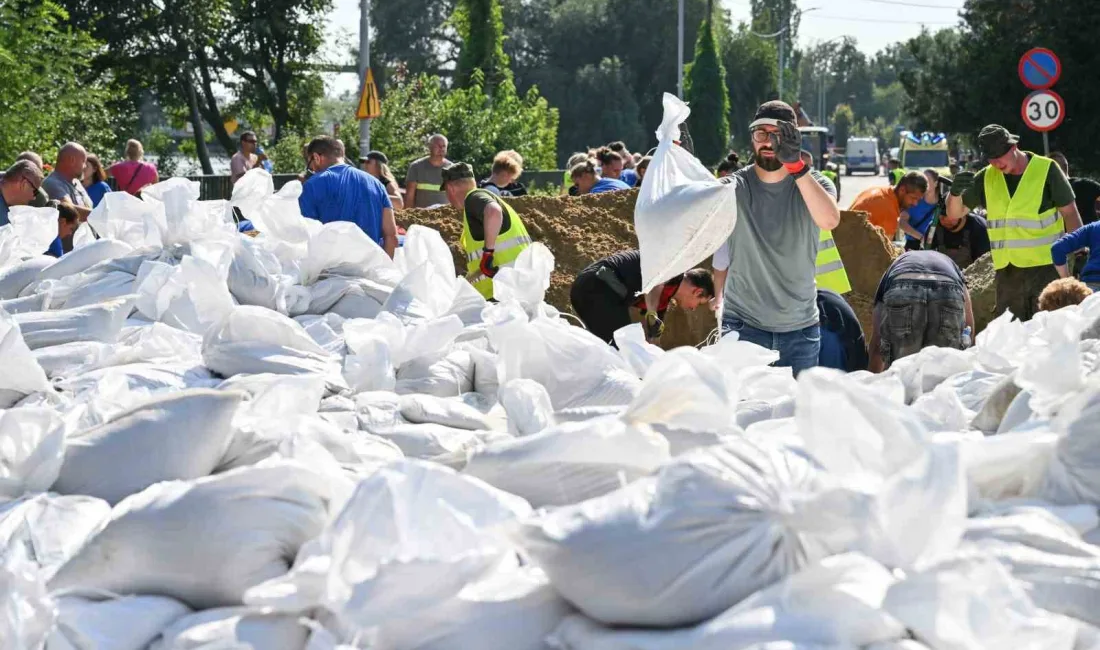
[{"x": 967, "y": 340}]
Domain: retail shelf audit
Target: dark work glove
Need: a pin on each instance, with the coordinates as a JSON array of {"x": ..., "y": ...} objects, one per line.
[
  {"x": 787, "y": 143},
  {"x": 961, "y": 183},
  {"x": 487, "y": 268},
  {"x": 654, "y": 327}
]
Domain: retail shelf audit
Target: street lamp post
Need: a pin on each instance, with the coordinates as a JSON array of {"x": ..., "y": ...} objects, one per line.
[{"x": 781, "y": 35}]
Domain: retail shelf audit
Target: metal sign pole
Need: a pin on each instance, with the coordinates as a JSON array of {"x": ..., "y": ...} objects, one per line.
[
  {"x": 680, "y": 50},
  {"x": 1046, "y": 144},
  {"x": 364, "y": 63}
]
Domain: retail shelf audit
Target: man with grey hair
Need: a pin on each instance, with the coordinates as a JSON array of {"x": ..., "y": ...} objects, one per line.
[
  {"x": 63, "y": 184},
  {"x": 19, "y": 186},
  {"x": 41, "y": 200},
  {"x": 424, "y": 182}
]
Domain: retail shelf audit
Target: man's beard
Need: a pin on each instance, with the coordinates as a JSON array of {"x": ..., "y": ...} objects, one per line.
[{"x": 767, "y": 164}]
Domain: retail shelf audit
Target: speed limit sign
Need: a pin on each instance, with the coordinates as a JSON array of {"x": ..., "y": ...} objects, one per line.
[{"x": 1043, "y": 110}]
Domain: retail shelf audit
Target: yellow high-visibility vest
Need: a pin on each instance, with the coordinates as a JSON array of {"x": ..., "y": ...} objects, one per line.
[
  {"x": 1019, "y": 234},
  {"x": 509, "y": 245},
  {"x": 830, "y": 271},
  {"x": 896, "y": 175}
]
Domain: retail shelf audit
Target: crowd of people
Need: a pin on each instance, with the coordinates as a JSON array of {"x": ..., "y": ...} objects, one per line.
[{"x": 777, "y": 281}]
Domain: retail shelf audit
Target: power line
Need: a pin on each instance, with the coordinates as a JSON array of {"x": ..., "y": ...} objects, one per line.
[
  {"x": 902, "y": 3},
  {"x": 885, "y": 21}
]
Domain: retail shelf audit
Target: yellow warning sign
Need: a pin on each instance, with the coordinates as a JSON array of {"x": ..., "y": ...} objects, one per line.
[{"x": 370, "y": 105}]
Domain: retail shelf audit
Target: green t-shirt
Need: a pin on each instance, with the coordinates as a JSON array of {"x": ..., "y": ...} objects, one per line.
[
  {"x": 475, "y": 205},
  {"x": 1057, "y": 192}
]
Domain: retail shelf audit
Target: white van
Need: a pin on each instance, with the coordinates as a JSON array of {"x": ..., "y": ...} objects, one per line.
[{"x": 861, "y": 155}]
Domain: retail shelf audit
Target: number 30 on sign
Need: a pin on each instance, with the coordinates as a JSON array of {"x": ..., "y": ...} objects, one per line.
[{"x": 1043, "y": 110}]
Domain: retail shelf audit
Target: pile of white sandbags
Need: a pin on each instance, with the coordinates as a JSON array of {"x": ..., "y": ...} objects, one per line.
[{"x": 290, "y": 441}]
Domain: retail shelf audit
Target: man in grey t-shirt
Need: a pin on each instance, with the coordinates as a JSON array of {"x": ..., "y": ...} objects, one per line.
[
  {"x": 63, "y": 183},
  {"x": 766, "y": 268},
  {"x": 423, "y": 184}
]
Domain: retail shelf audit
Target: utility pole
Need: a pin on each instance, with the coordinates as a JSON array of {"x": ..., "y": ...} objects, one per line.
[
  {"x": 781, "y": 35},
  {"x": 364, "y": 64},
  {"x": 680, "y": 50}
]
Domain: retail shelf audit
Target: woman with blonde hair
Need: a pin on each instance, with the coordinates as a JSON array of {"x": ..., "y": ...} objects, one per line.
[
  {"x": 377, "y": 164},
  {"x": 133, "y": 174},
  {"x": 507, "y": 168},
  {"x": 95, "y": 179},
  {"x": 574, "y": 160}
]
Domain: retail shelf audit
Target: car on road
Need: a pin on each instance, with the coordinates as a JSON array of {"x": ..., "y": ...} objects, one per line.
[{"x": 861, "y": 155}]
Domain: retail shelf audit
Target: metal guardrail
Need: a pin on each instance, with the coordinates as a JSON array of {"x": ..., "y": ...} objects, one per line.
[{"x": 217, "y": 186}]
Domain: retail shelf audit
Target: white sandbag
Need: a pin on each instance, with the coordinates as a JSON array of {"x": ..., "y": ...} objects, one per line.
[
  {"x": 191, "y": 295},
  {"x": 126, "y": 218},
  {"x": 378, "y": 410},
  {"x": 233, "y": 627},
  {"x": 634, "y": 348},
  {"x": 115, "y": 284},
  {"x": 51, "y": 527},
  {"x": 683, "y": 214},
  {"x": 512, "y": 609},
  {"x": 575, "y": 367},
  {"x": 1072, "y": 474},
  {"x": 412, "y": 536},
  {"x": 884, "y": 449},
  {"x": 85, "y": 257},
  {"x": 254, "y": 279},
  {"x": 28, "y": 232},
  {"x": 15, "y": 278},
  {"x": 835, "y": 602},
  {"x": 342, "y": 248},
  {"x": 124, "y": 623},
  {"x": 177, "y": 437},
  {"x": 348, "y": 297},
  {"x": 145, "y": 377},
  {"x": 22, "y": 375},
  {"x": 255, "y": 340},
  {"x": 430, "y": 440},
  {"x": 441, "y": 375},
  {"x": 101, "y": 322},
  {"x": 528, "y": 406},
  {"x": 974, "y": 603},
  {"x": 37, "y": 302},
  {"x": 711, "y": 528},
  {"x": 1032, "y": 527},
  {"x": 32, "y": 446},
  {"x": 526, "y": 280},
  {"x": 253, "y": 520},
  {"x": 326, "y": 331},
  {"x": 27, "y": 613},
  {"x": 438, "y": 410}
]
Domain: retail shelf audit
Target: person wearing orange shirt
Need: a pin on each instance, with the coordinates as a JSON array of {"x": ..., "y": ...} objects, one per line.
[{"x": 884, "y": 204}]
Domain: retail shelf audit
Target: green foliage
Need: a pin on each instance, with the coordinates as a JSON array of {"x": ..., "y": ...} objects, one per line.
[
  {"x": 161, "y": 144},
  {"x": 477, "y": 125},
  {"x": 50, "y": 93},
  {"x": 842, "y": 123},
  {"x": 286, "y": 154},
  {"x": 600, "y": 109},
  {"x": 706, "y": 93},
  {"x": 754, "y": 83},
  {"x": 480, "y": 25}
]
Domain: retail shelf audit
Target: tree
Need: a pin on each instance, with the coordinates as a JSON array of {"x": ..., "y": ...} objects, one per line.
[
  {"x": 51, "y": 94},
  {"x": 771, "y": 17},
  {"x": 480, "y": 25},
  {"x": 600, "y": 108},
  {"x": 842, "y": 123},
  {"x": 754, "y": 83},
  {"x": 706, "y": 92}
]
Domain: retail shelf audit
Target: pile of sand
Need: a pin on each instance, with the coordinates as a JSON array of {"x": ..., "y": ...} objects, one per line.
[
  {"x": 981, "y": 280},
  {"x": 581, "y": 230}
]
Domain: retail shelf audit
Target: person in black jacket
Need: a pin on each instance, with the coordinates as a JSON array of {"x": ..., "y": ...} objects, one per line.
[{"x": 842, "y": 342}]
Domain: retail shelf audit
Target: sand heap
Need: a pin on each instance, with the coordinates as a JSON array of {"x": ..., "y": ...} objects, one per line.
[
  {"x": 581, "y": 230},
  {"x": 981, "y": 280}
]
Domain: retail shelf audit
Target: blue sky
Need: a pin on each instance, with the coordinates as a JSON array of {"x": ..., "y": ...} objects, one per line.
[{"x": 874, "y": 23}]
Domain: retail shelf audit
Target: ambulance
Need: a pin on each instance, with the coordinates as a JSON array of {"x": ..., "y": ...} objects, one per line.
[{"x": 923, "y": 151}]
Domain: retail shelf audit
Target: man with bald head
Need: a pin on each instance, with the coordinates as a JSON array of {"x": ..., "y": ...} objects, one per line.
[
  {"x": 18, "y": 186},
  {"x": 63, "y": 184},
  {"x": 424, "y": 182}
]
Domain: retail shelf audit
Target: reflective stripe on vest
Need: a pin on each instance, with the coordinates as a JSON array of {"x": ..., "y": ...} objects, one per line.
[
  {"x": 1020, "y": 235},
  {"x": 429, "y": 187},
  {"x": 829, "y": 268},
  {"x": 501, "y": 246},
  {"x": 509, "y": 245}
]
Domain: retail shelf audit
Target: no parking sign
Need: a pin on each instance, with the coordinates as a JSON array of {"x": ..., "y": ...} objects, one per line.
[
  {"x": 1043, "y": 110},
  {"x": 1039, "y": 68}
]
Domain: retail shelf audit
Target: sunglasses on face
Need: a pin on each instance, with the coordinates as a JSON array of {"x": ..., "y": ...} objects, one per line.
[
  {"x": 34, "y": 188},
  {"x": 249, "y": 141}
]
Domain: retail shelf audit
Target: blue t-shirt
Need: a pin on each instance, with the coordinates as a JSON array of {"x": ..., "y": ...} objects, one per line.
[
  {"x": 608, "y": 185},
  {"x": 630, "y": 177},
  {"x": 920, "y": 217},
  {"x": 55, "y": 249},
  {"x": 344, "y": 193},
  {"x": 96, "y": 191},
  {"x": 1084, "y": 237}
]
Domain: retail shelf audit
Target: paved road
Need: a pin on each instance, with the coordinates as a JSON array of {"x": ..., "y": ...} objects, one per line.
[{"x": 851, "y": 186}]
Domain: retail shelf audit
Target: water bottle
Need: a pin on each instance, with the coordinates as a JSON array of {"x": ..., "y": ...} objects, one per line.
[{"x": 967, "y": 341}]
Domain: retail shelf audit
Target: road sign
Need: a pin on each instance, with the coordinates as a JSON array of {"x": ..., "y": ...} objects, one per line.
[
  {"x": 370, "y": 105},
  {"x": 1043, "y": 110},
  {"x": 1039, "y": 68}
]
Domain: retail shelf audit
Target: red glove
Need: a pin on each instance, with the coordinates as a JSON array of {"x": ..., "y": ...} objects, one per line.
[{"x": 486, "y": 266}]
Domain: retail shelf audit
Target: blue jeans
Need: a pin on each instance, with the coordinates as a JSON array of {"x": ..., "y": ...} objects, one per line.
[{"x": 797, "y": 350}]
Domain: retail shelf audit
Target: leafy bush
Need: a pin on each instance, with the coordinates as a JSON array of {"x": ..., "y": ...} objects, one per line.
[
  {"x": 286, "y": 154},
  {"x": 160, "y": 144},
  {"x": 477, "y": 124}
]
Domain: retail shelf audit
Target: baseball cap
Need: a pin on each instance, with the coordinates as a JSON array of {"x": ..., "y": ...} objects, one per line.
[
  {"x": 771, "y": 113},
  {"x": 375, "y": 155},
  {"x": 456, "y": 171},
  {"x": 995, "y": 141}
]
